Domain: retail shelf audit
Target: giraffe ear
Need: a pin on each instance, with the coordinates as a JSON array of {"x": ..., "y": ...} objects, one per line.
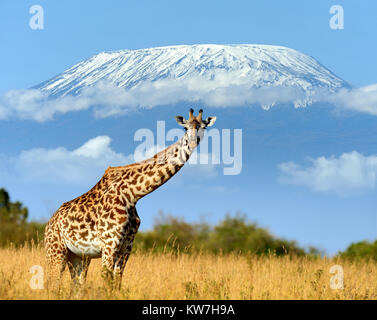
[
  {"x": 210, "y": 121},
  {"x": 180, "y": 120}
]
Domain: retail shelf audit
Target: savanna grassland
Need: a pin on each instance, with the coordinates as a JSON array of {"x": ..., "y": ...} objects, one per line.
[
  {"x": 179, "y": 260},
  {"x": 197, "y": 276}
]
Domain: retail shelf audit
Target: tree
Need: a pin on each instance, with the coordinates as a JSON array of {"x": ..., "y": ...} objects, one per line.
[
  {"x": 11, "y": 211},
  {"x": 232, "y": 234},
  {"x": 235, "y": 234},
  {"x": 172, "y": 233},
  {"x": 14, "y": 227},
  {"x": 360, "y": 250}
]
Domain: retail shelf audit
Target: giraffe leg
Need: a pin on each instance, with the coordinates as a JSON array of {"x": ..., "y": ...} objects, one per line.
[
  {"x": 113, "y": 266},
  {"x": 115, "y": 255},
  {"x": 126, "y": 248},
  {"x": 56, "y": 257},
  {"x": 78, "y": 267},
  {"x": 108, "y": 265},
  {"x": 118, "y": 271},
  {"x": 56, "y": 264}
]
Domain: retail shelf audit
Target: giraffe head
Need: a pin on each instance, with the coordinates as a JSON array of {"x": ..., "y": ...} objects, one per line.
[{"x": 195, "y": 126}]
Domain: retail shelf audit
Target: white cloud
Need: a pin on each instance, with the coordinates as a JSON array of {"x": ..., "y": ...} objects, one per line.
[
  {"x": 362, "y": 99},
  {"x": 108, "y": 100},
  {"x": 200, "y": 165},
  {"x": 348, "y": 173},
  {"x": 60, "y": 166},
  {"x": 83, "y": 165}
]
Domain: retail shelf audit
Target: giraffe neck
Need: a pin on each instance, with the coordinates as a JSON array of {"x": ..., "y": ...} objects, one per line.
[{"x": 144, "y": 177}]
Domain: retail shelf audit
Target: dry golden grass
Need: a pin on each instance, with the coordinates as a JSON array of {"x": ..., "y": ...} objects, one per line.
[{"x": 198, "y": 276}]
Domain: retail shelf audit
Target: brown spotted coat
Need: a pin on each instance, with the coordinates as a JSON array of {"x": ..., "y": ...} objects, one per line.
[{"x": 102, "y": 223}]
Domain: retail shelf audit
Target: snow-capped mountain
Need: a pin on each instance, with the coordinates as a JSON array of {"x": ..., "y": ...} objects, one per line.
[{"x": 257, "y": 66}]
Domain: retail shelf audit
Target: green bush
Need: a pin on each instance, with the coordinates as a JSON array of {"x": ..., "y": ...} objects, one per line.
[
  {"x": 169, "y": 233},
  {"x": 232, "y": 234},
  {"x": 360, "y": 250},
  {"x": 14, "y": 228},
  {"x": 172, "y": 233}
]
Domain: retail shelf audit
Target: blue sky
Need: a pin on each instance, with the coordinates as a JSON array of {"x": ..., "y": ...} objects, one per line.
[{"x": 75, "y": 31}]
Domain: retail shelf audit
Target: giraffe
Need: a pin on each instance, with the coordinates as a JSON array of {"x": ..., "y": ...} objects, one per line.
[{"x": 102, "y": 223}]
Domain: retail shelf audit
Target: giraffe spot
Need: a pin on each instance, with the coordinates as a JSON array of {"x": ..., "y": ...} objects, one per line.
[
  {"x": 84, "y": 234},
  {"x": 134, "y": 181},
  {"x": 110, "y": 225},
  {"x": 169, "y": 172},
  {"x": 127, "y": 196},
  {"x": 118, "y": 201},
  {"x": 107, "y": 236},
  {"x": 122, "y": 219},
  {"x": 120, "y": 211}
]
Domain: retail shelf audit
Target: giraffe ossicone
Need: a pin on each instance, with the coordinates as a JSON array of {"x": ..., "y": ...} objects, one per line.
[{"x": 102, "y": 222}]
